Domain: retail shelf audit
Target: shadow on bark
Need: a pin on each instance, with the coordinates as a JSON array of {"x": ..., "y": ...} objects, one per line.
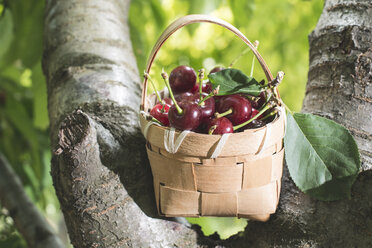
[{"x": 122, "y": 150}]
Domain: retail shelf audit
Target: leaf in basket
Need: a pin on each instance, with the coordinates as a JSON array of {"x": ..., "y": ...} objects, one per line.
[
  {"x": 232, "y": 81},
  {"x": 321, "y": 155}
]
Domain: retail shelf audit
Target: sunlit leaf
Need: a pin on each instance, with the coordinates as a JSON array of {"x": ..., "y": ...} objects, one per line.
[{"x": 224, "y": 226}]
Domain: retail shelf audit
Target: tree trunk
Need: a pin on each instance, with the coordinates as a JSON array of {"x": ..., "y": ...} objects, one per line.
[
  {"x": 339, "y": 85},
  {"x": 100, "y": 169}
]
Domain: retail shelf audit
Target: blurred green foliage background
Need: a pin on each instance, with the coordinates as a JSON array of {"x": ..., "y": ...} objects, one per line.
[{"x": 280, "y": 26}]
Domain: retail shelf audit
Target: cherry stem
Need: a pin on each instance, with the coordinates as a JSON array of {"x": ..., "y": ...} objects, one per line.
[
  {"x": 255, "y": 44},
  {"x": 269, "y": 115},
  {"x": 163, "y": 108},
  {"x": 277, "y": 80},
  {"x": 201, "y": 76},
  {"x": 268, "y": 98},
  {"x": 238, "y": 57},
  {"x": 211, "y": 130},
  {"x": 156, "y": 120},
  {"x": 211, "y": 94},
  {"x": 254, "y": 118},
  {"x": 166, "y": 81},
  {"x": 219, "y": 115},
  {"x": 146, "y": 75},
  {"x": 274, "y": 84},
  {"x": 201, "y": 102}
]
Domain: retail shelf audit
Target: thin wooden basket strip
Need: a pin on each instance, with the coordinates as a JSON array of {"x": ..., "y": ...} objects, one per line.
[
  {"x": 277, "y": 147},
  {"x": 222, "y": 204},
  {"x": 157, "y": 193},
  {"x": 257, "y": 217},
  {"x": 221, "y": 160},
  {"x": 178, "y": 157},
  {"x": 263, "y": 171},
  {"x": 257, "y": 173},
  {"x": 218, "y": 178},
  {"x": 277, "y": 171},
  {"x": 203, "y": 145},
  {"x": 258, "y": 200},
  {"x": 278, "y": 187},
  {"x": 175, "y": 202},
  {"x": 172, "y": 173}
]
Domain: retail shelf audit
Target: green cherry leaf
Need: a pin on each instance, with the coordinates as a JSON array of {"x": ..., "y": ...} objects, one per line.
[
  {"x": 233, "y": 81},
  {"x": 321, "y": 155}
]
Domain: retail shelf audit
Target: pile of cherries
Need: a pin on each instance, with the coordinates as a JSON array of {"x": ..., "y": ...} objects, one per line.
[{"x": 202, "y": 110}]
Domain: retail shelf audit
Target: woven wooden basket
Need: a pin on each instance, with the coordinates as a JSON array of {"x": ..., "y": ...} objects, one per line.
[{"x": 191, "y": 180}]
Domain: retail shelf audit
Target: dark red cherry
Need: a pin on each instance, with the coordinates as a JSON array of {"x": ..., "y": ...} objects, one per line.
[
  {"x": 185, "y": 96},
  {"x": 208, "y": 108},
  {"x": 260, "y": 102},
  {"x": 253, "y": 124},
  {"x": 220, "y": 126},
  {"x": 254, "y": 113},
  {"x": 168, "y": 101},
  {"x": 219, "y": 101},
  {"x": 188, "y": 120},
  {"x": 160, "y": 115},
  {"x": 203, "y": 126},
  {"x": 195, "y": 88},
  {"x": 269, "y": 119},
  {"x": 217, "y": 69},
  {"x": 240, "y": 106},
  {"x": 182, "y": 79},
  {"x": 207, "y": 88}
]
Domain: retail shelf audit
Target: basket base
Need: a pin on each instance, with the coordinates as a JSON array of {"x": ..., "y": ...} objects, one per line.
[
  {"x": 235, "y": 186},
  {"x": 262, "y": 218}
]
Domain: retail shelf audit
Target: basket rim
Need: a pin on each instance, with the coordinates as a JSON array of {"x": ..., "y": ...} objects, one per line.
[{"x": 245, "y": 132}]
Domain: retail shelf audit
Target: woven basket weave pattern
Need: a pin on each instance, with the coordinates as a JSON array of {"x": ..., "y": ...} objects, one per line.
[
  {"x": 243, "y": 185},
  {"x": 193, "y": 188}
]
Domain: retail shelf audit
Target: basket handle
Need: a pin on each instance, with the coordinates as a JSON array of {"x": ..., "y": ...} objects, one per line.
[{"x": 189, "y": 19}]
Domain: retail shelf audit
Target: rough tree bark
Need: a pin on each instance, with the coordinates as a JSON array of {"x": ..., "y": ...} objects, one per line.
[{"x": 99, "y": 167}]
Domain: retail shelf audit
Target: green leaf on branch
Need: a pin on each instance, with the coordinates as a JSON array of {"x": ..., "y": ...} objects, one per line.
[
  {"x": 6, "y": 30},
  {"x": 28, "y": 19},
  {"x": 233, "y": 81},
  {"x": 40, "y": 111},
  {"x": 321, "y": 155}
]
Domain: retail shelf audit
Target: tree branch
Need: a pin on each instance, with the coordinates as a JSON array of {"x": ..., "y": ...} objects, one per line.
[
  {"x": 27, "y": 218},
  {"x": 101, "y": 173}
]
